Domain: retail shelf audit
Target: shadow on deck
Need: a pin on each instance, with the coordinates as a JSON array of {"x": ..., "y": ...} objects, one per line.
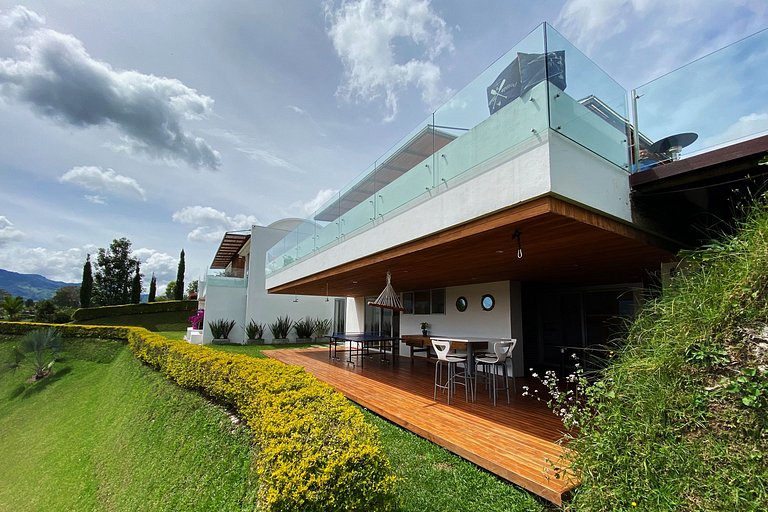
[{"x": 516, "y": 441}]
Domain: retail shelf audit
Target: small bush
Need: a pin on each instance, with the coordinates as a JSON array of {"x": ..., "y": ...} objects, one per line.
[
  {"x": 304, "y": 328},
  {"x": 322, "y": 327},
  {"x": 281, "y": 327},
  {"x": 221, "y": 328},
  {"x": 254, "y": 331}
]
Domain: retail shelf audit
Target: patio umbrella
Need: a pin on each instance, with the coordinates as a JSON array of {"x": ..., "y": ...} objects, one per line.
[{"x": 388, "y": 299}]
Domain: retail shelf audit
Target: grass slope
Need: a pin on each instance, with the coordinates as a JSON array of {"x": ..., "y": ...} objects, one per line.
[
  {"x": 106, "y": 433},
  {"x": 680, "y": 420}
]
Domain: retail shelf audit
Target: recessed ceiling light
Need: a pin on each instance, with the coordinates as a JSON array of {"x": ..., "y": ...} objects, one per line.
[
  {"x": 354, "y": 282},
  {"x": 499, "y": 252}
]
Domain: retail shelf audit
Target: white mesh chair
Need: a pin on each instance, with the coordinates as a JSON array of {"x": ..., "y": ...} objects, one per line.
[
  {"x": 454, "y": 377},
  {"x": 502, "y": 352}
]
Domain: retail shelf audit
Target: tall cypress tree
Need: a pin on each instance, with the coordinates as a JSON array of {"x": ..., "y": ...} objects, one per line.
[
  {"x": 178, "y": 292},
  {"x": 152, "y": 288},
  {"x": 136, "y": 286},
  {"x": 86, "y": 288}
]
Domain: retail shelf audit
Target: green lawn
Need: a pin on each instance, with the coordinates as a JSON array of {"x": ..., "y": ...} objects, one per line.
[
  {"x": 171, "y": 324},
  {"x": 106, "y": 433}
]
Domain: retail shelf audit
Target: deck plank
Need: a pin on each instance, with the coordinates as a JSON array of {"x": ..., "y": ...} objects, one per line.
[{"x": 517, "y": 442}]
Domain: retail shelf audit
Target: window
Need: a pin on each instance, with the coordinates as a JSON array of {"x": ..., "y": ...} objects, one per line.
[{"x": 424, "y": 302}]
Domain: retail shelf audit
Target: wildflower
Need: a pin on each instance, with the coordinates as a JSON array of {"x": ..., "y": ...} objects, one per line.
[{"x": 634, "y": 503}]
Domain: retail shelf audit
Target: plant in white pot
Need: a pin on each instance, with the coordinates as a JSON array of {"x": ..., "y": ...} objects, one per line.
[
  {"x": 322, "y": 327},
  {"x": 304, "y": 329},
  {"x": 220, "y": 330},
  {"x": 255, "y": 333},
  {"x": 280, "y": 329}
]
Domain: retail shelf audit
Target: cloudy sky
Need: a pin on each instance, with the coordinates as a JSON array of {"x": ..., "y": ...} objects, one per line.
[{"x": 171, "y": 122}]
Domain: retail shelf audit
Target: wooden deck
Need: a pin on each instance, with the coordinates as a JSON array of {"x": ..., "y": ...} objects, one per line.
[{"x": 517, "y": 442}]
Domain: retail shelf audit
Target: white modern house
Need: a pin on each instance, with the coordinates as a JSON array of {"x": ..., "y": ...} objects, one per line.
[
  {"x": 235, "y": 289},
  {"x": 540, "y": 203}
]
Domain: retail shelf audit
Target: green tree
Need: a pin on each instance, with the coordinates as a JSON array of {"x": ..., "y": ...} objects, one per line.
[
  {"x": 45, "y": 311},
  {"x": 192, "y": 289},
  {"x": 179, "y": 288},
  {"x": 152, "y": 288},
  {"x": 170, "y": 290},
  {"x": 67, "y": 297},
  {"x": 12, "y": 306},
  {"x": 113, "y": 278},
  {"x": 86, "y": 287},
  {"x": 136, "y": 286}
]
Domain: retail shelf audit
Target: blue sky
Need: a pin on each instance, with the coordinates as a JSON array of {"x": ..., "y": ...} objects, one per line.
[{"x": 171, "y": 122}]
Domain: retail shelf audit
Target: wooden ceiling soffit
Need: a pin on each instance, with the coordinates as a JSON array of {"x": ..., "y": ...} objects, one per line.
[{"x": 228, "y": 248}]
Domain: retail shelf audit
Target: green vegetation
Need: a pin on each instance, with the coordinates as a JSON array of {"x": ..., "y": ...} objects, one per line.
[
  {"x": 86, "y": 287},
  {"x": 679, "y": 420},
  {"x": 254, "y": 330},
  {"x": 281, "y": 327},
  {"x": 220, "y": 328},
  {"x": 178, "y": 292},
  {"x": 304, "y": 328},
  {"x": 171, "y": 324},
  {"x": 105, "y": 432}
]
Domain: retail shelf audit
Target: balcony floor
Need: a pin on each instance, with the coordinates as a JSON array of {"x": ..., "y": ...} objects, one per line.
[{"x": 517, "y": 442}]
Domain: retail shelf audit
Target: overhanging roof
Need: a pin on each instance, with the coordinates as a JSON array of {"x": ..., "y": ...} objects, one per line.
[
  {"x": 410, "y": 154},
  {"x": 228, "y": 249},
  {"x": 561, "y": 242}
]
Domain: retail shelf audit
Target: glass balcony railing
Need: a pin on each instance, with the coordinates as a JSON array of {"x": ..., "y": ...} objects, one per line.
[
  {"x": 714, "y": 101},
  {"x": 542, "y": 83},
  {"x": 225, "y": 281}
]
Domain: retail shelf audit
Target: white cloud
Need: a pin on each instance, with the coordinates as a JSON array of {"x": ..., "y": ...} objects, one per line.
[
  {"x": 163, "y": 265},
  {"x": 659, "y": 34},
  {"x": 309, "y": 207},
  {"x": 262, "y": 155},
  {"x": 366, "y": 35},
  {"x": 211, "y": 223},
  {"x": 65, "y": 265},
  {"x": 745, "y": 127},
  {"x": 8, "y": 233},
  {"x": 96, "y": 179},
  {"x": 54, "y": 74},
  {"x": 96, "y": 199}
]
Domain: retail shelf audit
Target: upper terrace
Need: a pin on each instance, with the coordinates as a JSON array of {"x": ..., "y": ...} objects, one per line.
[{"x": 542, "y": 93}]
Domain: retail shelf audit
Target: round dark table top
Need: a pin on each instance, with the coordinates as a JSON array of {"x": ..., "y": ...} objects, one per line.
[{"x": 680, "y": 139}]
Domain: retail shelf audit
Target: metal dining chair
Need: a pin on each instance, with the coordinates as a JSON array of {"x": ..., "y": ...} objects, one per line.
[
  {"x": 454, "y": 377},
  {"x": 502, "y": 352}
]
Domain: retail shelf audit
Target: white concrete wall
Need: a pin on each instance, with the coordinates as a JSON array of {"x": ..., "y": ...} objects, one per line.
[
  {"x": 228, "y": 303},
  {"x": 265, "y": 308},
  {"x": 503, "y": 321},
  {"x": 583, "y": 177}
]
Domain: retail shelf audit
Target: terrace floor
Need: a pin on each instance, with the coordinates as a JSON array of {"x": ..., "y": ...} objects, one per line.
[{"x": 517, "y": 441}]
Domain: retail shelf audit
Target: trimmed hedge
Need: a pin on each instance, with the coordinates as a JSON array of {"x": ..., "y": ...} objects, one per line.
[
  {"x": 84, "y": 314},
  {"x": 316, "y": 452}
]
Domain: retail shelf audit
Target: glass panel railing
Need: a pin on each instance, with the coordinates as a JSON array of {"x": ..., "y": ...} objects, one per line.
[
  {"x": 718, "y": 99},
  {"x": 586, "y": 105},
  {"x": 491, "y": 115},
  {"x": 503, "y": 111},
  {"x": 220, "y": 280}
]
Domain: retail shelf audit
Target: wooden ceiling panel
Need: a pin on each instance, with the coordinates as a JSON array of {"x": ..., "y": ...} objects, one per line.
[{"x": 560, "y": 243}]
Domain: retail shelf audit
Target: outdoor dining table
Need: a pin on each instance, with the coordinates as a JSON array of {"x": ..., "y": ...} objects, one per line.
[{"x": 471, "y": 343}]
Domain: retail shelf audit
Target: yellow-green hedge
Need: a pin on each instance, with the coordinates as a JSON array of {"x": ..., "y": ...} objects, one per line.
[{"x": 316, "y": 452}]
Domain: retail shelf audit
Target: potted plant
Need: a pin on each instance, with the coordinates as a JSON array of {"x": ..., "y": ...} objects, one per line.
[
  {"x": 280, "y": 329},
  {"x": 255, "y": 333},
  {"x": 220, "y": 330},
  {"x": 304, "y": 329},
  {"x": 425, "y": 328},
  {"x": 322, "y": 327}
]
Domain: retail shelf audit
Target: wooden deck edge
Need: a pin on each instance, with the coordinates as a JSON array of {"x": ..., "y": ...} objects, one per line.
[{"x": 554, "y": 494}]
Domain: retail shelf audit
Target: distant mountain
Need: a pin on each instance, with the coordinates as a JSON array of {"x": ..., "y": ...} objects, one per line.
[{"x": 30, "y": 286}]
